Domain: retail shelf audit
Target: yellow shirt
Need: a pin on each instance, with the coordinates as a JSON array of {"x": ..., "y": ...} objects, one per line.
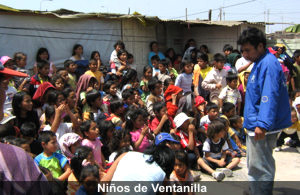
[
  {"x": 198, "y": 71},
  {"x": 97, "y": 74},
  {"x": 292, "y": 129}
]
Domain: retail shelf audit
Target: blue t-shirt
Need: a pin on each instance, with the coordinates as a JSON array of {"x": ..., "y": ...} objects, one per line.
[{"x": 160, "y": 55}]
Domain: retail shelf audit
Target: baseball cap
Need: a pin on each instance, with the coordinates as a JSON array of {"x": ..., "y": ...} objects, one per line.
[
  {"x": 199, "y": 100},
  {"x": 4, "y": 59},
  {"x": 10, "y": 72},
  {"x": 164, "y": 136},
  {"x": 7, "y": 117},
  {"x": 181, "y": 118}
]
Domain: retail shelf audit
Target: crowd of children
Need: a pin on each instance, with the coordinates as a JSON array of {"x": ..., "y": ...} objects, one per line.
[{"x": 76, "y": 120}]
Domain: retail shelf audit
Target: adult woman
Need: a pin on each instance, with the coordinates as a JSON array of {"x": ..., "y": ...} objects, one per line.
[
  {"x": 155, "y": 164},
  {"x": 77, "y": 53},
  {"x": 154, "y": 51}
]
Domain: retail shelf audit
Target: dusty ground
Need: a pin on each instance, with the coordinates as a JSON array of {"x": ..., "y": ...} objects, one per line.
[{"x": 287, "y": 169}]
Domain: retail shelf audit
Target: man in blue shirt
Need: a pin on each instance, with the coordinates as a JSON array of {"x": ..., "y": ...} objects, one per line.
[{"x": 266, "y": 112}]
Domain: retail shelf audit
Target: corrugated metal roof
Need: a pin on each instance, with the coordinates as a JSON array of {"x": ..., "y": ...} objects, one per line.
[{"x": 69, "y": 14}]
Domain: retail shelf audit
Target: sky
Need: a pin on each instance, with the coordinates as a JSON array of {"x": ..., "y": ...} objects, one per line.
[{"x": 274, "y": 11}]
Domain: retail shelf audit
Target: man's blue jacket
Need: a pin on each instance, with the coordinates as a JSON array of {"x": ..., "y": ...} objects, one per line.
[{"x": 267, "y": 101}]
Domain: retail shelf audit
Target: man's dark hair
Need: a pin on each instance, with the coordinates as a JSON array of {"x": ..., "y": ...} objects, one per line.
[{"x": 252, "y": 36}]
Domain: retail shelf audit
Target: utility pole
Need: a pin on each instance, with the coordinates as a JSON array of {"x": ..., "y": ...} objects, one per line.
[
  {"x": 268, "y": 20},
  {"x": 186, "y": 17},
  {"x": 220, "y": 13},
  {"x": 209, "y": 14}
]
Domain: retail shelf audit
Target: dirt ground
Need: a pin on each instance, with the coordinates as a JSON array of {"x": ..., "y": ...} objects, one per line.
[{"x": 287, "y": 169}]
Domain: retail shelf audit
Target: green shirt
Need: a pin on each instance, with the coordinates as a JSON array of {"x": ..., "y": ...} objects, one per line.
[{"x": 54, "y": 163}]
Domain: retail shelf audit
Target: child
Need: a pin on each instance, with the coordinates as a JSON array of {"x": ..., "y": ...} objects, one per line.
[
  {"x": 163, "y": 70},
  {"x": 230, "y": 92},
  {"x": 128, "y": 80},
  {"x": 162, "y": 122},
  {"x": 71, "y": 67},
  {"x": 118, "y": 46},
  {"x": 28, "y": 133},
  {"x": 147, "y": 75},
  {"x": 167, "y": 83},
  {"x": 227, "y": 49},
  {"x": 243, "y": 79},
  {"x": 83, "y": 157},
  {"x": 215, "y": 80},
  {"x": 295, "y": 80},
  {"x": 94, "y": 102},
  {"x": 64, "y": 74},
  {"x": 55, "y": 162},
  {"x": 172, "y": 71},
  {"x": 128, "y": 97},
  {"x": 120, "y": 139},
  {"x": 185, "y": 79},
  {"x": 42, "y": 76},
  {"x": 111, "y": 91},
  {"x": 85, "y": 83},
  {"x": 54, "y": 122},
  {"x": 138, "y": 102},
  {"x": 120, "y": 64},
  {"x": 130, "y": 61},
  {"x": 68, "y": 143},
  {"x": 291, "y": 132},
  {"x": 94, "y": 72},
  {"x": 215, "y": 148},
  {"x": 228, "y": 111},
  {"x": 106, "y": 134},
  {"x": 155, "y": 88},
  {"x": 58, "y": 82},
  {"x": 89, "y": 178},
  {"x": 96, "y": 56},
  {"x": 154, "y": 61},
  {"x": 90, "y": 133},
  {"x": 181, "y": 172},
  {"x": 212, "y": 111},
  {"x": 43, "y": 54},
  {"x": 201, "y": 69},
  {"x": 117, "y": 110},
  {"x": 177, "y": 62},
  {"x": 140, "y": 134},
  {"x": 172, "y": 96},
  {"x": 166, "y": 139},
  {"x": 187, "y": 132},
  {"x": 236, "y": 124},
  {"x": 20, "y": 60}
]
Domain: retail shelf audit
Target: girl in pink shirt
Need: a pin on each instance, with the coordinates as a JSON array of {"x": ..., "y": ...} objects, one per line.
[
  {"x": 140, "y": 133},
  {"x": 90, "y": 133}
]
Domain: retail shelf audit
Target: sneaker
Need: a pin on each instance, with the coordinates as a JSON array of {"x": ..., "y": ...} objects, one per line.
[
  {"x": 227, "y": 172},
  {"x": 219, "y": 176},
  {"x": 298, "y": 149},
  {"x": 277, "y": 149}
]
